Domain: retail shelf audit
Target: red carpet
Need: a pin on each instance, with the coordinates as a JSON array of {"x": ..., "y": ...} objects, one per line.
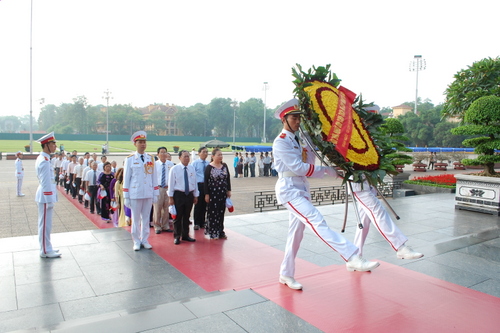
[{"x": 390, "y": 299}]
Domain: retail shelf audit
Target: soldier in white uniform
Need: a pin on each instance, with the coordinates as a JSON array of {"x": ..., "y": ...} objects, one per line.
[
  {"x": 292, "y": 191},
  {"x": 19, "y": 173},
  {"x": 140, "y": 189},
  {"x": 46, "y": 195},
  {"x": 371, "y": 211}
]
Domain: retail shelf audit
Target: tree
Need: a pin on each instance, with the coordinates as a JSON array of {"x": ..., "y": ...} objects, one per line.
[
  {"x": 248, "y": 114},
  {"x": 482, "y": 118},
  {"x": 47, "y": 117},
  {"x": 220, "y": 116},
  {"x": 442, "y": 136},
  {"x": 394, "y": 129},
  {"x": 480, "y": 79},
  {"x": 9, "y": 124},
  {"x": 157, "y": 120},
  {"x": 192, "y": 120},
  {"x": 118, "y": 115}
]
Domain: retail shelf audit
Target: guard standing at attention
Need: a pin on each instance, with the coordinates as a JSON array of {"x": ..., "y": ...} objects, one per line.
[
  {"x": 46, "y": 195},
  {"x": 140, "y": 189}
]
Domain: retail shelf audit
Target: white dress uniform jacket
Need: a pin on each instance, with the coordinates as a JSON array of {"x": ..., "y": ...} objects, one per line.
[
  {"x": 19, "y": 168},
  {"x": 138, "y": 184},
  {"x": 46, "y": 191},
  {"x": 288, "y": 161}
]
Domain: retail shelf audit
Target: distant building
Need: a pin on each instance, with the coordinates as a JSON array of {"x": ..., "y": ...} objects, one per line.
[
  {"x": 401, "y": 110},
  {"x": 169, "y": 110}
]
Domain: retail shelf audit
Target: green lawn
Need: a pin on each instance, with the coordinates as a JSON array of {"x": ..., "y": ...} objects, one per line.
[{"x": 11, "y": 146}]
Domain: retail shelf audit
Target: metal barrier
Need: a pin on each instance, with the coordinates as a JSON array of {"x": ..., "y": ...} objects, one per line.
[{"x": 325, "y": 195}]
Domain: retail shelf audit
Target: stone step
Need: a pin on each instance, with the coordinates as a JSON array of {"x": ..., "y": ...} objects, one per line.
[{"x": 404, "y": 192}]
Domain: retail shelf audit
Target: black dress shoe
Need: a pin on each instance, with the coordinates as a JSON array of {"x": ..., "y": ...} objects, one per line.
[
  {"x": 177, "y": 241},
  {"x": 158, "y": 231},
  {"x": 188, "y": 239},
  {"x": 168, "y": 230}
]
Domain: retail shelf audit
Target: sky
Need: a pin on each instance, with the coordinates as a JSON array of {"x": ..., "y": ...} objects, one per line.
[{"x": 188, "y": 52}]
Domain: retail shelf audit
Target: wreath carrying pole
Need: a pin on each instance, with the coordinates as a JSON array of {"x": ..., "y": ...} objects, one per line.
[
  {"x": 386, "y": 203},
  {"x": 307, "y": 140}
]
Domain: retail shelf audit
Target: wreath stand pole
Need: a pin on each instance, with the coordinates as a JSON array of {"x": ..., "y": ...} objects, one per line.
[
  {"x": 385, "y": 201},
  {"x": 307, "y": 140}
]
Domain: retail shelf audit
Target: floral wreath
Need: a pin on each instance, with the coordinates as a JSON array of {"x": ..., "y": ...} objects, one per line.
[{"x": 335, "y": 121}]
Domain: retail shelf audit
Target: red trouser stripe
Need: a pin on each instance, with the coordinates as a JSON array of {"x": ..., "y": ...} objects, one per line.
[
  {"x": 374, "y": 221},
  {"x": 43, "y": 229},
  {"x": 314, "y": 229}
]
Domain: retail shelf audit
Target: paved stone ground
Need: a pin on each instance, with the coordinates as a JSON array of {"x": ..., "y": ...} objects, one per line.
[{"x": 19, "y": 214}]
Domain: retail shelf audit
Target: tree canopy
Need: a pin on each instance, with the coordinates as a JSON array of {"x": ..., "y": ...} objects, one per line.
[
  {"x": 480, "y": 79},
  {"x": 483, "y": 118}
]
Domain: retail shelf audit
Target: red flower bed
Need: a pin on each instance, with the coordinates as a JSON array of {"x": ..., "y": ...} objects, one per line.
[{"x": 445, "y": 179}]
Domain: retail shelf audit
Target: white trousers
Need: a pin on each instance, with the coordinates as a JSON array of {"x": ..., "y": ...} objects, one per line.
[
  {"x": 44, "y": 227},
  {"x": 19, "y": 185},
  {"x": 371, "y": 211},
  {"x": 302, "y": 213},
  {"x": 141, "y": 210}
]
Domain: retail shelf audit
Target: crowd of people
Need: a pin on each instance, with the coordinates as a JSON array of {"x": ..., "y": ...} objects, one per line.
[
  {"x": 145, "y": 191},
  {"x": 245, "y": 165},
  {"x": 151, "y": 191}
]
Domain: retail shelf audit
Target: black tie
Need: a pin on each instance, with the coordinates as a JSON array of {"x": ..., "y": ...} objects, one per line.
[
  {"x": 186, "y": 181},
  {"x": 297, "y": 139},
  {"x": 142, "y": 158}
]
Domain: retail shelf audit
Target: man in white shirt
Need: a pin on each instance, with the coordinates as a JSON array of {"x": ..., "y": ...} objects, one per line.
[
  {"x": 140, "y": 189},
  {"x": 71, "y": 175},
  {"x": 183, "y": 193},
  {"x": 19, "y": 173},
  {"x": 84, "y": 181},
  {"x": 252, "y": 160},
  {"x": 91, "y": 179},
  {"x": 77, "y": 178},
  {"x": 160, "y": 216},
  {"x": 267, "y": 165},
  {"x": 64, "y": 167},
  {"x": 86, "y": 158},
  {"x": 200, "y": 209},
  {"x": 100, "y": 166}
]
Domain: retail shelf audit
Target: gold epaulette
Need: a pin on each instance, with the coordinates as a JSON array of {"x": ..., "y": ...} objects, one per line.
[{"x": 130, "y": 155}]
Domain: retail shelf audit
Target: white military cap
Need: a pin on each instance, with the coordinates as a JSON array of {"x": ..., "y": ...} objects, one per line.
[
  {"x": 139, "y": 135},
  {"x": 47, "y": 138},
  {"x": 290, "y": 107}
]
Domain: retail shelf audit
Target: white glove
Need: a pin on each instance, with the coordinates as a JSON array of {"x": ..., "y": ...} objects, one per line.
[
  {"x": 50, "y": 205},
  {"x": 127, "y": 202},
  {"x": 331, "y": 172},
  {"x": 155, "y": 199}
]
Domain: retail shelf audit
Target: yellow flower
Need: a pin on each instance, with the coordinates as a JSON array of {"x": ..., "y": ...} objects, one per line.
[{"x": 360, "y": 148}]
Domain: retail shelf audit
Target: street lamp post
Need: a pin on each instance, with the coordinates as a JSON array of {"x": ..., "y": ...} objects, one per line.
[
  {"x": 107, "y": 97},
  {"x": 264, "y": 132},
  {"x": 233, "y": 105},
  {"x": 418, "y": 64},
  {"x": 31, "y": 79}
]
